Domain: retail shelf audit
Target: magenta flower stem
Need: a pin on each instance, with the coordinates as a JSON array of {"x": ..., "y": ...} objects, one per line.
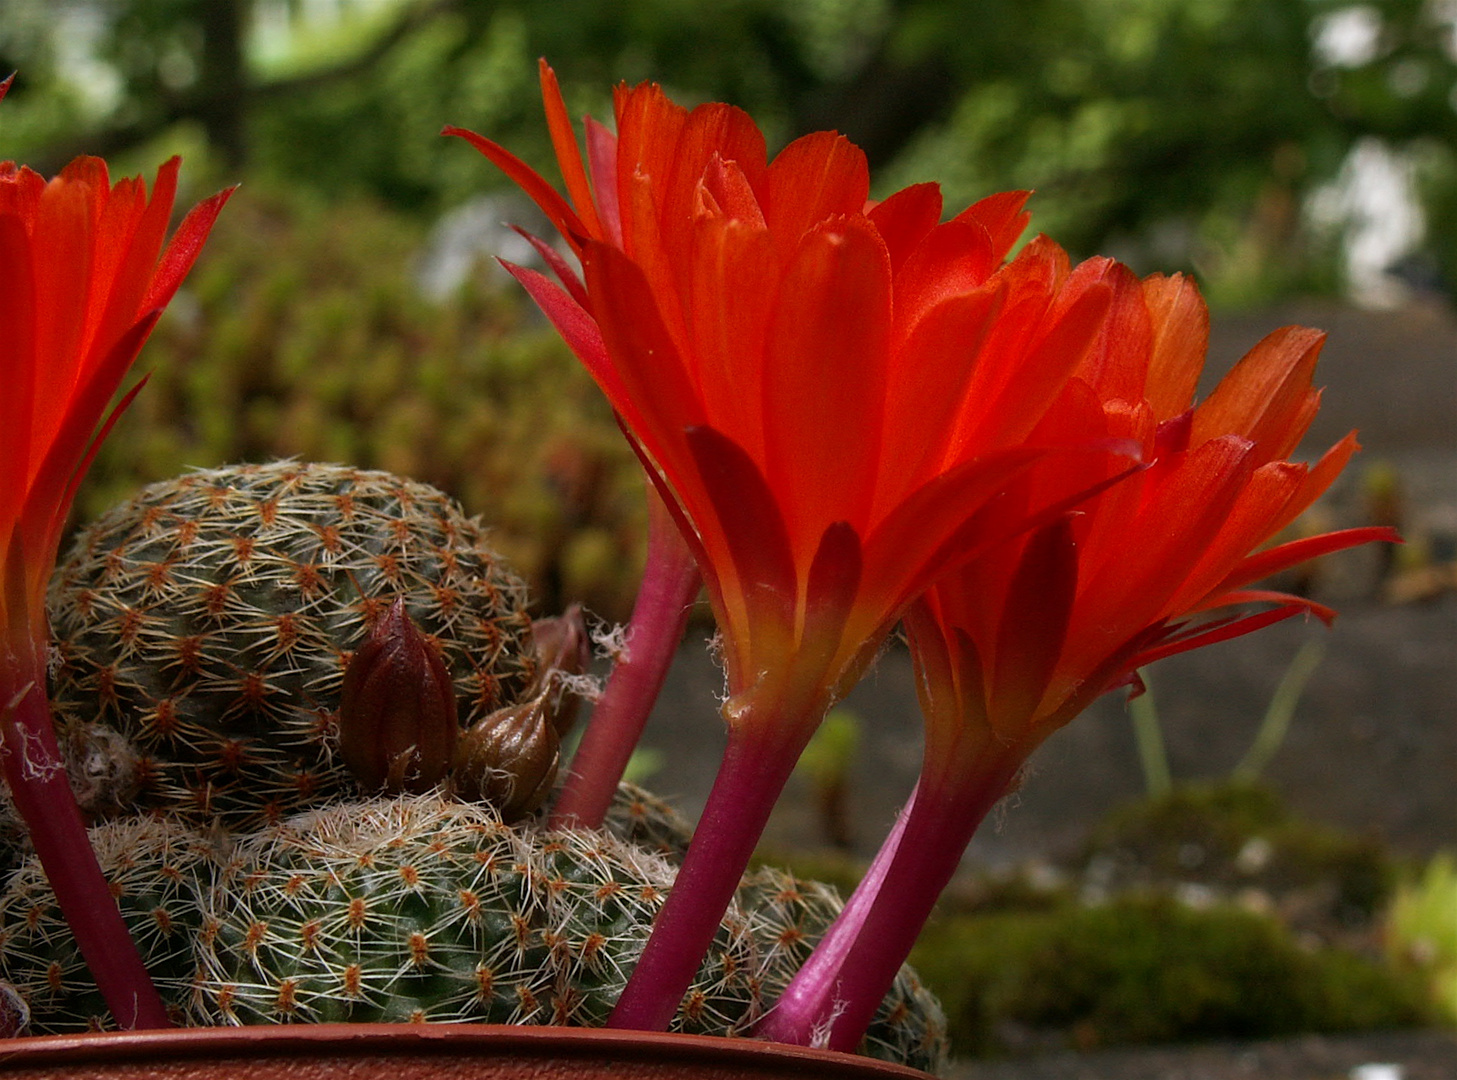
[
  {"x": 808, "y": 1000},
  {"x": 659, "y": 617},
  {"x": 756, "y": 766},
  {"x": 942, "y": 819},
  {"x": 43, "y": 798}
]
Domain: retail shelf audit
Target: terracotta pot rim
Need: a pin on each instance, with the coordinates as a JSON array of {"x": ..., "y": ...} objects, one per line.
[{"x": 350, "y": 1040}]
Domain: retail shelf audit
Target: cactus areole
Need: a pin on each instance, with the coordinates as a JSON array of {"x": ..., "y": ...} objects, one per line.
[
  {"x": 424, "y": 910},
  {"x": 314, "y": 723}
]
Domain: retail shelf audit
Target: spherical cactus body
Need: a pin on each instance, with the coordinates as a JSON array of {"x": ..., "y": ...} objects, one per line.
[
  {"x": 161, "y": 873},
  {"x": 427, "y": 910},
  {"x": 419, "y": 909},
  {"x": 209, "y": 622},
  {"x": 246, "y": 658}
]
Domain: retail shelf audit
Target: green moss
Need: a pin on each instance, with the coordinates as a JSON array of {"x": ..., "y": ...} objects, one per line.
[
  {"x": 1148, "y": 970},
  {"x": 977, "y": 966},
  {"x": 1236, "y": 835}
]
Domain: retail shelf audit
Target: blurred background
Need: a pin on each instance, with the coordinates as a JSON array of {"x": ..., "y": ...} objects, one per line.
[
  {"x": 1298, "y": 157},
  {"x": 1282, "y": 151}
]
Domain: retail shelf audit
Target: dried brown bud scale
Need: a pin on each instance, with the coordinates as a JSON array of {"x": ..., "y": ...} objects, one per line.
[{"x": 563, "y": 648}]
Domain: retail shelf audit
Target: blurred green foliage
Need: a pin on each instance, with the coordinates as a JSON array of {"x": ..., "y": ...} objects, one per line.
[
  {"x": 303, "y": 334},
  {"x": 1178, "y": 134},
  {"x": 1421, "y": 928},
  {"x": 1230, "y": 836},
  {"x": 1147, "y": 969}
]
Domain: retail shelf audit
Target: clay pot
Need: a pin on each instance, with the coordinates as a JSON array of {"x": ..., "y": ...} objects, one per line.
[{"x": 423, "y": 1052}]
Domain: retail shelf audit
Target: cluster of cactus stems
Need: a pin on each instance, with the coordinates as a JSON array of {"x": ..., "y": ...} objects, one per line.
[
  {"x": 243, "y": 654},
  {"x": 413, "y": 909}
]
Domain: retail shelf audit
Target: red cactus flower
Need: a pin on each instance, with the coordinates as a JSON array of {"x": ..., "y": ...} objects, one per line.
[
  {"x": 1018, "y": 641},
  {"x": 824, "y": 389},
  {"x": 81, "y": 285}
]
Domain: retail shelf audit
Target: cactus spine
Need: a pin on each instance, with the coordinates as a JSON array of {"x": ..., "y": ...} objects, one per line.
[
  {"x": 204, "y": 632},
  {"x": 419, "y": 909},
  {"x": 204, "y": 627}
]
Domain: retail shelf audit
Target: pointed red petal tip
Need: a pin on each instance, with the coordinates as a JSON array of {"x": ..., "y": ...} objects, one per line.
[
  {"x": 559, "y": 266},
  {"x": 556, "y": 208},
  {"x": 5, "y": 84},
  {"x": 182, "y": 250}
]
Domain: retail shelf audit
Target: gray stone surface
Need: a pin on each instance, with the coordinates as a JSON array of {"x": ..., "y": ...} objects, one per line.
[{"x": 1373, "y": 744}]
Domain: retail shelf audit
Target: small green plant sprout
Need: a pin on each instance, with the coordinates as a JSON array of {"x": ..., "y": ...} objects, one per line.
[
  {"x": 1274, "y": 727},
  {"x": 1276, "y": 723},
  {"x": 1153, "y": 756},
  {"x": 1422, "y": 928},
  {"x": 826, "y": 765}
]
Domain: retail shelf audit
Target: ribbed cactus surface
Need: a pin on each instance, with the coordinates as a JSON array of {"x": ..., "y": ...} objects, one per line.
[
  {"x": 203, "y": 629},
  {"x": 787, "y": 915},
  {"x": 640, "y": 817},
  {"x": 161, "y": 874},
  {"x": 419, "y": 908},
  {"x": 427, "y": 910},
  {"x": 203, "y": 634}
]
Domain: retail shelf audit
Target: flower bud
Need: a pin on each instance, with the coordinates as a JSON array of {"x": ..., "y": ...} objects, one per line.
[
  {"x": 397, "y": 725},
  {"x": 509, "y": 758},
  {"x": 563, "y": 647}
]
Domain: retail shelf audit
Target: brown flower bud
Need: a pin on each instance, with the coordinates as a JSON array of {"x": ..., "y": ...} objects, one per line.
[
  {"x": 509, "y": 758},
  {"x": 563, "y": 647},
  {"x": 397, "y": 725}
]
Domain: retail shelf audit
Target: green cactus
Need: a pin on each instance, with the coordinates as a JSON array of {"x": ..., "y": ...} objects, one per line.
[
  {"x": 207, "y": 634},
  {"x": 203, "y": 628},
  {"x": 787, "y": 915},
  {"x": 428, "y": 910},
  {"x": 161, "y": 874},
  {"x": 418, "y": 908},
  {"x": 640, "y": 817}
]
